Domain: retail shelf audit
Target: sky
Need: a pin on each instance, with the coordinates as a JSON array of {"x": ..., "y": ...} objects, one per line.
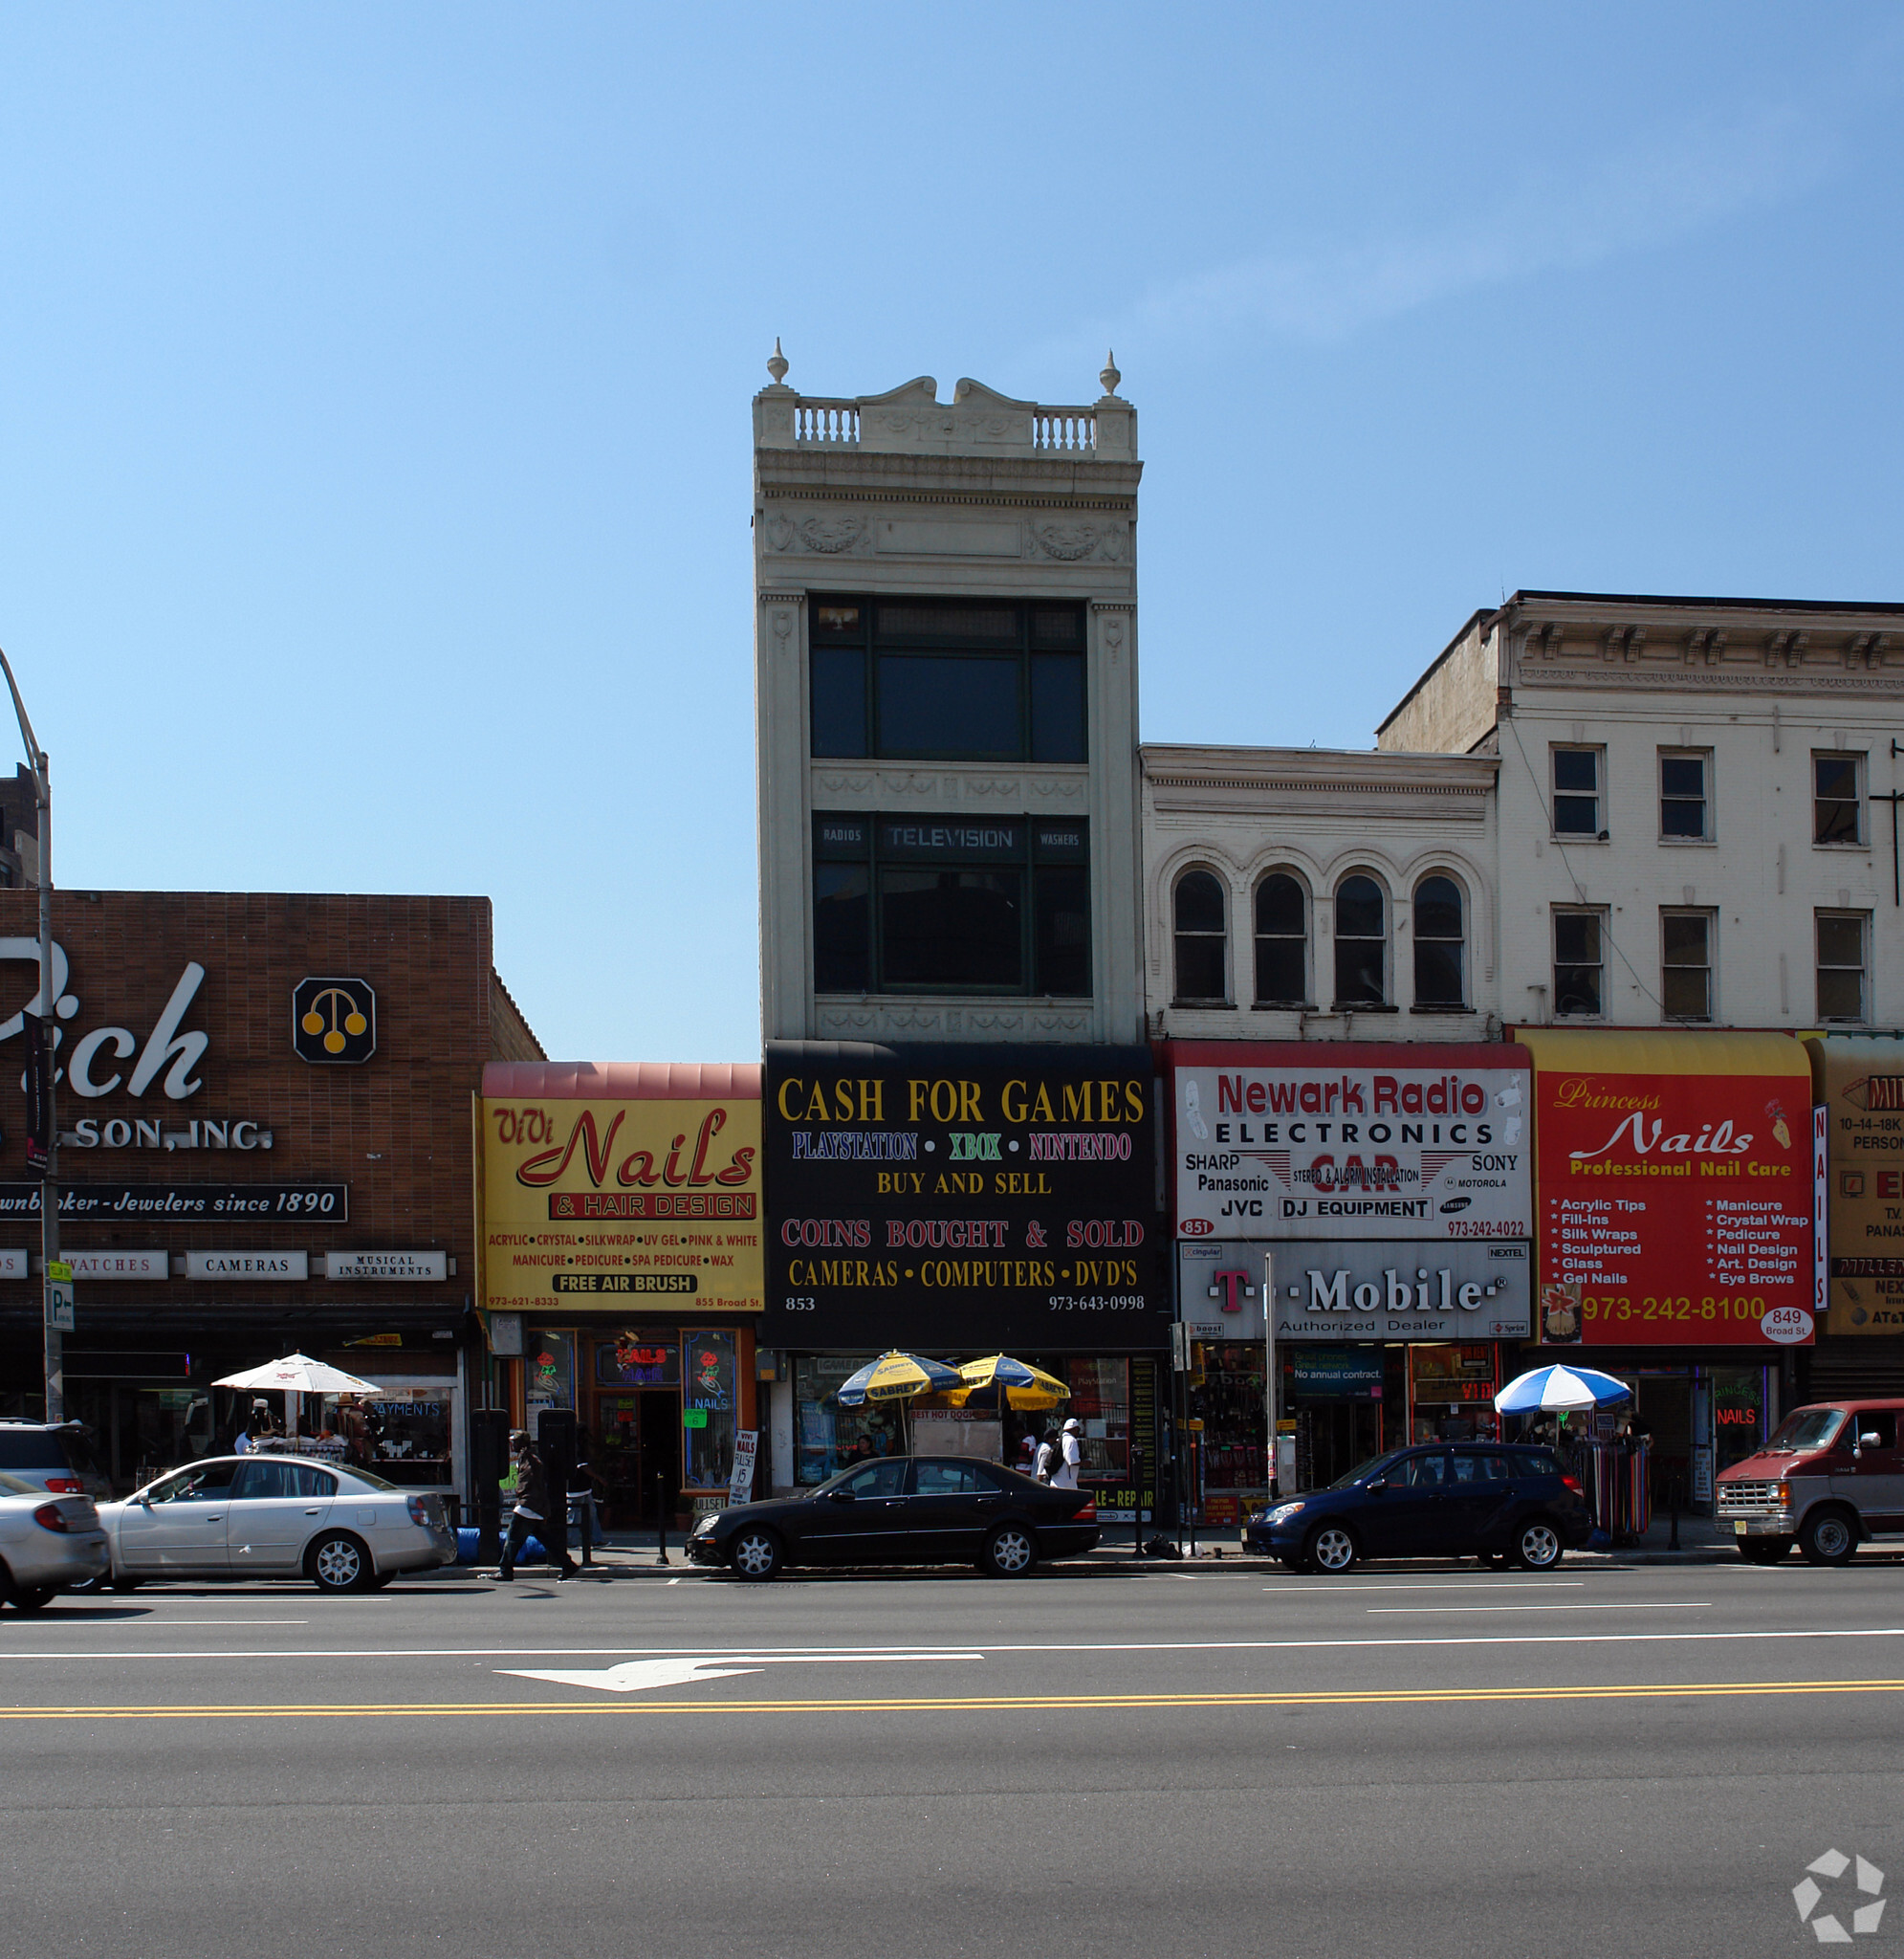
[{"x": 375, "y": 469}]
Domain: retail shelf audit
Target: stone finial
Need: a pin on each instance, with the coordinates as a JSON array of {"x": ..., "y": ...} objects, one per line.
[
  {"x": 777, "y": 366},
  {"x": 1109, "y": 374}
]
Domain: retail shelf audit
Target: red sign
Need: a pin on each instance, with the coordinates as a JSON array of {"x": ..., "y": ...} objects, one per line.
[{"x": 1675, "y": 1209}]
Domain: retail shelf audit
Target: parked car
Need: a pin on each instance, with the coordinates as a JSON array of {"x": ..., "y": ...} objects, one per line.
[
  {"x": 48, "y": 1543},
  {"x": 1832, "y": 1477},
  {"x": 273, "y": 1516},
  {"x": 1503, "y": 1503},
  {"x": 58, "y": 1457},
  {"x": 905, "y": 1509}
]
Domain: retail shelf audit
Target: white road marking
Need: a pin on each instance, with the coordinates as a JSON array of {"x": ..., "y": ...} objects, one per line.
[
  {"x": 1387, "y": 1644},
  {"x": 1554, "y": 1605},
  {"x": 633, "y": 1676},
  {"x": 1471, "y": 1585}
]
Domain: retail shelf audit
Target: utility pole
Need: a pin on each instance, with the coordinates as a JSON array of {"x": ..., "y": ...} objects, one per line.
[{"x": 44, "y": 1029}]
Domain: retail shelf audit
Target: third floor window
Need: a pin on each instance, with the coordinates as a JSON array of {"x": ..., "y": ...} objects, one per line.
[
  {"x": 1578, "y": 791},
  {"x": 1837, "y": 798},
  {"x": 1685, "y": 805}
]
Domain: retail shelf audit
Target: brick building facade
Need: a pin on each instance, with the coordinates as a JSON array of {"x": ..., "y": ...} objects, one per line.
[{"x": 264, "y": 1107}]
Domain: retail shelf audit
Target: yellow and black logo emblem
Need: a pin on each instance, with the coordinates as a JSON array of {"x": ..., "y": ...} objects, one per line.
[{"x": 334, "y": 1020}]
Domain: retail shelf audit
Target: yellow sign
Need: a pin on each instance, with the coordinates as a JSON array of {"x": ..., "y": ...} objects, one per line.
[
  {"x": 621, "y": 1206},
  {"x": 1859, "y": 1082}
]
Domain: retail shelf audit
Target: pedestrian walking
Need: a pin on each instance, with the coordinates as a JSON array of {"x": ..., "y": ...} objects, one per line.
[
  {"x": 1049, "y": 1457},
  {"x": 537, "y": 1514},
  {"x": 1071, "y": 1455},
  {"x": 582, "y": 1486}
]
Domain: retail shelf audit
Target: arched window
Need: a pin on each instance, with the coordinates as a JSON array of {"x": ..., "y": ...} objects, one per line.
[
  {"x": 1282, "y": 941},
  {"x": 1200, "y": 942},
  {"x": 1361, "y": 942},
  {"x": 1440, "y": 944}
]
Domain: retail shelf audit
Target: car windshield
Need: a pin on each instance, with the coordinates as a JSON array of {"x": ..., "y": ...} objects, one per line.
[
  {"x": 14, "y": 1486},
  {"x": 1810, "y": 1428},
  {"x": 1364, "y": 1471}
]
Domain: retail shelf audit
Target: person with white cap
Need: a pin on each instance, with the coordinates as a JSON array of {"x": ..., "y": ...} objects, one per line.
[{"x": 1064, "y": 1476}]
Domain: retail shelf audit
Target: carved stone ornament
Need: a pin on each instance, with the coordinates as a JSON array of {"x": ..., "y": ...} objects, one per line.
[
  {"x": 1066, "y": 542},
  {"x": 783, "y": 626},
  {"x": 780, "y": 532},
  {"x": 837, "y": 784},
  {"x": 832, "y": 534},
  {"x": 1112, "y": 629}
]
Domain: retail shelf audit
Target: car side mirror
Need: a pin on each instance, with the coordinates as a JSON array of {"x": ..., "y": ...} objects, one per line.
[
  {"x": 143, "y": 1501},
  {"x": 841, "y": 1496},
  {"x": 1871, "y": 1441},
  {"x": 1380, "y": 1484}
]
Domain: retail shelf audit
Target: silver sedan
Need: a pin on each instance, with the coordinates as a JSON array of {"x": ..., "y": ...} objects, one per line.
[
  {"x": 271, "y": 1516},
  {"x": 48, "y": 1543}
]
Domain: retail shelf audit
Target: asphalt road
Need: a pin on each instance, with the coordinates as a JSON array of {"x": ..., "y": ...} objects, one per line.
[{"x": 1416, "y": 1760}]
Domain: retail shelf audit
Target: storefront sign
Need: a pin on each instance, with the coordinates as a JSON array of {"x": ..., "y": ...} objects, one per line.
[
  {"x": 635, "y": 1361},
  {"x": 1859, "y": 1084},
  {"x": 16, "y": 1265},
  {"x": 248, "y": 1265},
  {"x": 423, "y": 1265},
  {"x": 1336, "y": 1373},
  {"x": 184, "y": 1203},
  {"x": 961, "y": 1198},
  {"x": 645, "y": 1194},
  {"x": 1280, "y": 1140},
  {"x": 92, "y": 1056},
  {"x": 118, "y": 1265},
  {"x": 1425, "y": 1290},
  {"x": 1674, "y": 1188},
  {"x": 740, "y": 1485}
]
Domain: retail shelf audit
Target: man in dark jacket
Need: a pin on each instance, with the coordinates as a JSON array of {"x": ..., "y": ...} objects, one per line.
[{"x": 540, "y": 1512}]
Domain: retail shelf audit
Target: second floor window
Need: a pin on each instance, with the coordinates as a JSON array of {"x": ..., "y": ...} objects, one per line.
[
  {"x": 1201, "y": 939},
  {"x": 1282, "y": 941},
  {"x": 1361, "y": 944},
  {"x": 1441, "y": 977},
  {"x": 1577, "y": 792},
  {"x": 1837, "y": 798},
  {"x": 1684, "y": 803},
  {"x": 1841, "y": 966},
  {"x": 1686, "y": 965},
  {"x": 1579, "y": 965}
]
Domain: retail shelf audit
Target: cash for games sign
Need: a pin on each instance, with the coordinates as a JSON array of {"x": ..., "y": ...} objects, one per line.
[
  {"x": 1361, "y": 1143},
  {"x": 961, "y": 1199},
  {"x": 1676, "y": 1190},
  {"x": 622, "y": 1204}
]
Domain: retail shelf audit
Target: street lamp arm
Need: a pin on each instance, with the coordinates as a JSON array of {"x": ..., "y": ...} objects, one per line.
[{"x": 35, "y": 753}]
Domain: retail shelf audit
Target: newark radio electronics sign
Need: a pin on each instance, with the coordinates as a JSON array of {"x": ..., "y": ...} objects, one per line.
[
  {"x": 961, "y": 1198},
  {"x": 1277, "y": 1141}
]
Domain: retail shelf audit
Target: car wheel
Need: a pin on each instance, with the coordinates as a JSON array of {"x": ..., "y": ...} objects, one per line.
[
  {"x": 756, "y": 1553},
  {"x": 1010, "y": 1551},
  {"x": 1829, "y": 1538},
  {"x": 1332, "y": 1548},
  {"x": 338, "y": 1562},
  {"x": 30, "y": 1597},
  {"x": 124, "y": 1584},
  {"x": 1765, "y": 1550},
  {"x": 1537, "y": 1545}
]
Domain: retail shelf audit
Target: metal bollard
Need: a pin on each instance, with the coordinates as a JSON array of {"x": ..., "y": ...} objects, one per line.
[{"x": 661, "y": 1519}]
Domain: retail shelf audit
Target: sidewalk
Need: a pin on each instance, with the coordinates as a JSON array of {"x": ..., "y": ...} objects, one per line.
[{"x": 1702, "y": 1541}]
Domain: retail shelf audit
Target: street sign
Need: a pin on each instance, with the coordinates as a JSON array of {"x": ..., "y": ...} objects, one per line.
[{"x": 59, "y": 1296}]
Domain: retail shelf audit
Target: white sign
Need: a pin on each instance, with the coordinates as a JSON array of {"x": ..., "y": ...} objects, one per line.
[
  {"x": 16, "y": 1265},
  {"x": 1425, "y": 1290},
  {"x": 248, "y": 1265},
  {"x": 387, "y": 1264},
  {"x": 60, "y": 1304},
  {"x": 1327, "y": 1151},
  {"x": 119, "y": 1264},
  {"x": 740, "y": 1485},
  {"x": 94, "y": 1058}
]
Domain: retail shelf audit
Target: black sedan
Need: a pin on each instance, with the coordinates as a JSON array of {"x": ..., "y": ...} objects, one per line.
[
  {"x": 904, "y": 1510},
  {"x": 1504, "y": 1505}
]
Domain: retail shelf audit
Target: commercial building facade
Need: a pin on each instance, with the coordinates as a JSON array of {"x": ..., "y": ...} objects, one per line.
[{"x": 264, "y": 1108}]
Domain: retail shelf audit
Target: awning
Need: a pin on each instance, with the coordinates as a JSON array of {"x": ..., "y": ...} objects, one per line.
[{"x": 1664, "y": 1051}]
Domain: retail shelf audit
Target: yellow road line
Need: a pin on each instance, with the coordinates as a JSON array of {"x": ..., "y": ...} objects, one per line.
[{"x": 978, "y": 1704}]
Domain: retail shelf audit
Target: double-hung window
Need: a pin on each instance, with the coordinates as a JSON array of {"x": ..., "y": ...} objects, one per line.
[
  {"x": 1578, "y": 791},
  {"x": 1685, "y": 796},
  {"x": 1844, "y": 950},
  {"x": 1686, "y": 964},
  {"x": 1580, "y": 964},
  {"x": 1837, "y": 797}
]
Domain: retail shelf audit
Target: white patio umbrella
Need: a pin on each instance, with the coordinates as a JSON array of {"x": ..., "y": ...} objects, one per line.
[{"x": 297, "y": 1373}]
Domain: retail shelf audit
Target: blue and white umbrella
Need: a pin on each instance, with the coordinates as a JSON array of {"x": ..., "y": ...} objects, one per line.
[
  {"x": 1552, "y": 1390},
  {"x": 896, "y": 1378}
]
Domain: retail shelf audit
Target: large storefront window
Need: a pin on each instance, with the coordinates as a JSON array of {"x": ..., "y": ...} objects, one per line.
[
  {"x": 1451, "y": 1393},
  {"x": 827, "y": 1435},
  {"x": 709, "y": 1390},
  {"x": 1226, "y": 1394}
]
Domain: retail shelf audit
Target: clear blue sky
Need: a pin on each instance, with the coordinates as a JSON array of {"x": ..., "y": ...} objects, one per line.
[{"x": 374, "y": 434}]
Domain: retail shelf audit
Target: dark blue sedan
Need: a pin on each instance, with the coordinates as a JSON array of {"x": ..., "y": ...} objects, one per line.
[{"x": 1503, "y": 1503}]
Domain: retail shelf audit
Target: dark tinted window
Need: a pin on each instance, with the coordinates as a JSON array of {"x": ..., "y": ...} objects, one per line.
[
  {"x": 1061, "y": 929},
  {"x": 31, "y": 1448},
  {"x": 940, "y": 704},
  {"x": 264, "y": 1477},
  {"x": 1421, "y": 1473},
  {"x": 946, "y": 1479},
  {"x": 1057, "y": 707},
  {"x": 1536, "y": 1462},
  {"x": 1359, "y": 943},
  {"x": 209, "y": 1484},
  {"x": 951, "y": 928},
  {"x": 886, "y": 1477},
  {"x": 1282, "y": 930},
  {"x": 1882, "y": 1422},
  {"x": 838, "y": 700},
  {"x": 841, "y": 928},
  {"x": 1439, "y": 979},
  {"x": 1200, "y": 947}
]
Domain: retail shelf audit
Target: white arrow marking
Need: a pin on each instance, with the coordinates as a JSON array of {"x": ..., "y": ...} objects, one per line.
[{"x": 635, "y": 1676}]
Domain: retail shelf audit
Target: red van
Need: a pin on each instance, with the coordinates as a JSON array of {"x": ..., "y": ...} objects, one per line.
[{"x": 1832, "y": 1477}]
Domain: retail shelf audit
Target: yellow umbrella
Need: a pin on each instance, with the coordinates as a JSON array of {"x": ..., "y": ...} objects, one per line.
[
  {"x": 1017, "y": 1383},
  {"x": 895, "y": 1377}
]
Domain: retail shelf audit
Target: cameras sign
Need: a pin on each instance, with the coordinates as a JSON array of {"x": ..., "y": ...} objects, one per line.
[{"x": 1282, "y": 1141}]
